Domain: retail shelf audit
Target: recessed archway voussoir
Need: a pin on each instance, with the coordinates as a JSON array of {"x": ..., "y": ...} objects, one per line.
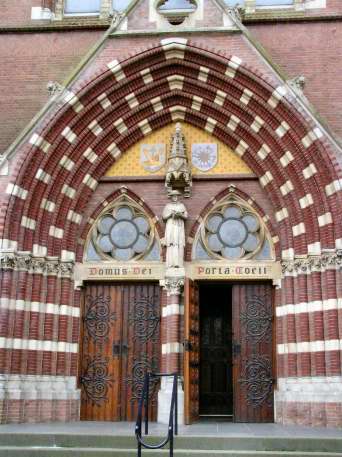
[
  {"x": 80, "y": 120},
  {"x": 202, "y": 120},
  {"x": 199, "y": 120}
]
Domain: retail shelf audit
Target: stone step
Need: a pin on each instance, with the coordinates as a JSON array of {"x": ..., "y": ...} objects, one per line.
[
  {"x": 18, "y": 451},
  {"x": 250, "y": 443}
]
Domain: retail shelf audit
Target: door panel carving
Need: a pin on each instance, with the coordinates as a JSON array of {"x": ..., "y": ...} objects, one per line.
[
  {"x": 98, "y": 318},
  {"x": 95, "y": 381},
  {"x": 120, "y": 342},
  {"x": 252, "y": 352},
  {"x": 257, "y": 377}
]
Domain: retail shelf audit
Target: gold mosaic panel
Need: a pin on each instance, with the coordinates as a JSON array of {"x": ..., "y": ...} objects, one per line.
[{"x": 228, "y": 161}]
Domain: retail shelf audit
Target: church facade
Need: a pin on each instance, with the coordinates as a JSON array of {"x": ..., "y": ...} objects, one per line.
[{"x": 174, "y": 206}]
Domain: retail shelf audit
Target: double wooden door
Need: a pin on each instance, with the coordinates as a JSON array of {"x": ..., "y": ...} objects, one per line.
[
  {"x": 251, "y": 356},
  {"x": 120, "y": 341}
]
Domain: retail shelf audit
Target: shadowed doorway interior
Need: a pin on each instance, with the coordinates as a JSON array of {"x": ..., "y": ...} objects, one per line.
[{"x": 216, "y": 373}]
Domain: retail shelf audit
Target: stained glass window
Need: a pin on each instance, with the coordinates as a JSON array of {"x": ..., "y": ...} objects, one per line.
[
  {"x": 123, "y": 233},
  {"x": 232, "y": 231}
]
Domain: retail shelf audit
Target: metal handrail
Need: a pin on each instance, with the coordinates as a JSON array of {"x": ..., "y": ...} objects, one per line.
[{"x": 144, "y": 404}]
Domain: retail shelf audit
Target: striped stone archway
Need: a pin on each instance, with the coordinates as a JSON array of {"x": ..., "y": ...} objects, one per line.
[{"x": 67, "y": 155}]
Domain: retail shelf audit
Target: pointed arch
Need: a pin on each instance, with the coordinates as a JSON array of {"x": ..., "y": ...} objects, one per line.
[
  {"x": 175, "y": 80},
  {"x": 124, "y": 195},
  {"x": 222, "y": 197}
]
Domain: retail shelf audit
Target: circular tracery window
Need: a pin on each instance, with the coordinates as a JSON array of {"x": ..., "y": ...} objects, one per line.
[
  {"x": 123, "y": 233},
  {"x": 232, "y": 231}
]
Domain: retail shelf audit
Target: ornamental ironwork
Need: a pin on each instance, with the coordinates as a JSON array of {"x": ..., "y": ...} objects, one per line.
[
  {"x": 98, "y": 317},
  {"x": 257, "y": 377},
  {"x": 139, "y": 368},
  {"x": 145, "y": 318},
  {"x": 96, "y": 380},
  {"x": 258, "y": 319}
]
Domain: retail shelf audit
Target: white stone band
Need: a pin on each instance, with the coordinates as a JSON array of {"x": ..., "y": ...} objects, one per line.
[
  {"x": 38, "y": 307},
  {"x": 320, "y": 389},
  {"x": 172, "y": 310},
  {"x": 38, "y": 345},
  {"x": 309, "y": 307},
  {"x": 309, "y": 346},
  {"x": 172, "y": 348},
  {"x": 38, "y": 387}
]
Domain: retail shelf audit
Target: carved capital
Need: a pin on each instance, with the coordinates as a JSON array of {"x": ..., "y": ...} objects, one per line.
[
  {"x": 42, "y": 265},
  {"x": 310, "y": 264},
  {"x": 174, "y": 286}
]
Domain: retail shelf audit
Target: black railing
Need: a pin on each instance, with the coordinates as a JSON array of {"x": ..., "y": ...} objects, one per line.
[{"x": 144, "y": 405}]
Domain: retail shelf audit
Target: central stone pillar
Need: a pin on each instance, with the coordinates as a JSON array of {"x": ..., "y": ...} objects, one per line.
[{"x": 172, "y": 347}]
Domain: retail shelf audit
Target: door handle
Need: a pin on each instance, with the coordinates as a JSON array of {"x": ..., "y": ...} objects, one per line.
[{"x": 119, "y": 349}]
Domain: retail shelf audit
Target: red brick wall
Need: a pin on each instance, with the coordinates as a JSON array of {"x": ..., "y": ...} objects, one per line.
[
  {"x": 29, "y": 62},
  {"x": 312, "y": 50},
  {"x": 305, "y": 152},
  {"x": 16, "y": 12}
]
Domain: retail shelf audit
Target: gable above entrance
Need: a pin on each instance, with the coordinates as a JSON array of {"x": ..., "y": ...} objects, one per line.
[{"x": 175, "y": 81}]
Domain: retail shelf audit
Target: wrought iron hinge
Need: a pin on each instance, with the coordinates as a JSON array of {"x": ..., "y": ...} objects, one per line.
[{"x": 187, "y": 346}]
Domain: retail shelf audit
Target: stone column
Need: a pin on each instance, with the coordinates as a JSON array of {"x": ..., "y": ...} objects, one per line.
[{"x": 172, "y": 347}]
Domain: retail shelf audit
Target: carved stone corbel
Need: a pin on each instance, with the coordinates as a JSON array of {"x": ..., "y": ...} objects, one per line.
[{"x": 54, "y": 88}]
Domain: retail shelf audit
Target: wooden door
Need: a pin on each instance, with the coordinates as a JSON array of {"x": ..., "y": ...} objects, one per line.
[
  {"x": 191, "y": 352},
  {"x": 252, "y": 352},
  {"x": 119, "y": 343}
]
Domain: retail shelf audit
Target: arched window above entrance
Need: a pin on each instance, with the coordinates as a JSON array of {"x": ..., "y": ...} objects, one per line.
[
  {"x": 232, "y": 230},
  {"x": 123, "y": 232}
]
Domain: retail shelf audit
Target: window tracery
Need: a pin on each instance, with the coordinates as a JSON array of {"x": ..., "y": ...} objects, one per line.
[
  {"x": 232, "y": 231},
  {"x": 123, "y": 232}
]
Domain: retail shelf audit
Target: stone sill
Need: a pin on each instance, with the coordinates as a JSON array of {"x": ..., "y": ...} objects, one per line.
[
  {"x": 67, "y": 24},
  {"x": 287, "y": 16},
  {"x": 173, "y": 32}
]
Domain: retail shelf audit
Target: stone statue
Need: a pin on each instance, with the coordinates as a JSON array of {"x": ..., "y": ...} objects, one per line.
[
  {"x": 174, "y": 214},
  {"x": 178, "y": 169}
]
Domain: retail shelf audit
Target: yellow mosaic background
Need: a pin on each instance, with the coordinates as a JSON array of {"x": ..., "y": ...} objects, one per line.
[{"x": 228, "y": 161}]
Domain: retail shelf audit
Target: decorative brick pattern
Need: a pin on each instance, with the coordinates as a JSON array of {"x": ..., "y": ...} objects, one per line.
[{"x": 97, "y": 124}]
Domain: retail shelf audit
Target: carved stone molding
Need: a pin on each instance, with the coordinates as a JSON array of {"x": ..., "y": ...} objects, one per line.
[
  {"x": 43, "y": 265},
  {"x": 4, "y": 165},
  {"x": 312, "y": 263},
  {"x": 237, "y": 14},
  {"x": 173, "y": 286},
  {"x": 54, "y": 88}
]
